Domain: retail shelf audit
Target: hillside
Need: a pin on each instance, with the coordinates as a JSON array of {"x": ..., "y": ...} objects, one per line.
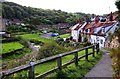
[{"x": 39, "y": 16}]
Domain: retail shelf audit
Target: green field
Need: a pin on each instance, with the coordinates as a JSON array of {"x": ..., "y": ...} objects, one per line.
[
  {"x": 36, "y": 37},
  {"x": 9, "y": 47}
]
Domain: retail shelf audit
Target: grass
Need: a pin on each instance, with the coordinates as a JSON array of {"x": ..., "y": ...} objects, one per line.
[
  {"x": 71, "y": 70},
  {"x": 64, "y": 35},
  {"x": 52, "y": 64},
  {"x": 81, "y": 70},
  {"x": 61, "y": 36},
  {"x": 37, "y": 37},
  {"x": 9, "y": 47}
]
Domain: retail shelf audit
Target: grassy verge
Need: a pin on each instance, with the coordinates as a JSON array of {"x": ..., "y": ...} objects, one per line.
[
  {"x": 37, "y": 37},
  {"x": 79, "y": 71},
  {"x": 52, "y": 64},
  {"x": 71, "y": 70},
  {"x": 9, "y": 47}
]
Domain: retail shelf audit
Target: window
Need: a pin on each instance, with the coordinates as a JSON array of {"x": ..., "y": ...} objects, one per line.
[{"x": 101, "y": 41}]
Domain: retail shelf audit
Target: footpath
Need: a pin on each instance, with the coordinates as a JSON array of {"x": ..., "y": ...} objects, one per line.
[{"x": 103, "y": 68}]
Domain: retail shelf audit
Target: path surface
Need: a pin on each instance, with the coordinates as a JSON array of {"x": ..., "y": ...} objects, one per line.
[
  {"x": 103, "y": 68},
  {"x": 47, "y": 35}
]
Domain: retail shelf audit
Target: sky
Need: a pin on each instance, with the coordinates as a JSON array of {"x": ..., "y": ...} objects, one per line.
[{"x": 98, "y": 7}]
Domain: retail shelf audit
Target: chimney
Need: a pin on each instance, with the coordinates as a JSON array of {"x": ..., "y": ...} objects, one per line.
[
  {"x": 93, "y": 16},
  {"x": 87, "y": 19},
  {"x": 111, "y": 17},
  {"x": 97, "y": 19}
]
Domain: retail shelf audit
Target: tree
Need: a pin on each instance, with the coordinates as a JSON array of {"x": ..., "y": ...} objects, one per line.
[{"x": 117, "y": 3}]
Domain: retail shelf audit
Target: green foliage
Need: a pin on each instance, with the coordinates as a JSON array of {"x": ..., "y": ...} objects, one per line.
[
  {"x": 115, "y": 55},
  {"x": 38, "y": 16},
  {"x": 86, "y": 44},
  {"x": 16, "y": 29},
  {"x": 117, "y": 3},
  {"x": 49, "y": 49},
  {"x": 117, "y": 33},
  {"x": 23, "y": 41},
  {"x": 37, "y": 42},
  {"x": 85, "y": 39}
]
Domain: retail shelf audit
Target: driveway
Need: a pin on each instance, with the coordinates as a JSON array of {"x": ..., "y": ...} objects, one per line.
[{"x": 47, "y": 35}]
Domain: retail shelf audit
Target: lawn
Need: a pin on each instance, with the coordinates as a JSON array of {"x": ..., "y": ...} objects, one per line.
[
  {"x": 37, "y": 37},
  {"x": 9, "y": 47},
  {"x": 64, "y": 35}
]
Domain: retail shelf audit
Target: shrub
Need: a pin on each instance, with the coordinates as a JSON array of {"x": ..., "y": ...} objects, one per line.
[
  {"x": 85, "y": 39},
  {"x": 49, "y": 49},
  {"x": 23, "y": 41},
  {"x": 37, "y": 42},
  {"x": 115, "y": 55},
  {"x": 86, "y": 44}
]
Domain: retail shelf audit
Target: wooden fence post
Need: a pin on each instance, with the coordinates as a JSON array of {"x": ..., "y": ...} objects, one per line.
[
  {"x": 97, "y": 48},
  {"x": 93, "y": 49},
  {"x": 31, "y": 71},
  {"x": 59, "y": 62},
  {"x": 76, "y": 58},
  {"x": 86, "y": 54}
]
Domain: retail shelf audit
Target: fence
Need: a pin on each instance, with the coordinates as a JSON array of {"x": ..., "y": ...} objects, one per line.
[{"x": 30, "y": 67}]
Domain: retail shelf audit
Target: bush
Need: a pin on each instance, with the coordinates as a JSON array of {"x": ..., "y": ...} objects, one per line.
[
  {"x": 86, "y": 44},
  {"x": 37, "y": 42},
  {"x": 85, "y": 39},
  {"x": 23, "y": 41},
  {"x": 115, "y": 55},
  {"x": 49, "y": 49}
]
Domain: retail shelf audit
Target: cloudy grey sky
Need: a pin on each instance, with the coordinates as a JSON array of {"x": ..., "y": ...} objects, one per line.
[{"x": 84, "y": 6}]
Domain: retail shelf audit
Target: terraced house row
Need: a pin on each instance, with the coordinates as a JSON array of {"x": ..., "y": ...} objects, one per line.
[{"x": 95, "y": 30}]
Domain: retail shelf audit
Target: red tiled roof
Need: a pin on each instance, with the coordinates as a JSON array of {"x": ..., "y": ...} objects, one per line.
[
  {"x": 77, "y": 27},
  {"x": 98, "y": 24},
  {"x": 87, "y": 26},
  {"x": 90, "y": 25},
  {"x": 108, "y": 24},
  {"x": 71, "y": 27},
  {"x": 114, "y": 17}
]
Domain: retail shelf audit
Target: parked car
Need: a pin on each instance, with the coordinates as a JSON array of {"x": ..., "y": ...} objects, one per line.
[{"x": 54, "y": 34}]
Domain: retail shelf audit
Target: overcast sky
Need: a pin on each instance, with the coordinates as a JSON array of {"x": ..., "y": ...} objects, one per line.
[{"x": 84, "y": 6}]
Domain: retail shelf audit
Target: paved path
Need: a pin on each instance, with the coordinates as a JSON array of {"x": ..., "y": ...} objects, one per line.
[
  {"x": 47, "y": 35},
  {"x": 103, "y": 68}
]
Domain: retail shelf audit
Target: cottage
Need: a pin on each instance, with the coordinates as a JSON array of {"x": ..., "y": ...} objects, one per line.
[
  {"x": 96, "y": 30},
  {"x": 75, "y": 31}
]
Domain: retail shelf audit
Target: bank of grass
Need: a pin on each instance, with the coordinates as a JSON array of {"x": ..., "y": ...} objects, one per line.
[
  {"x": 52, "y": 64},
  {"x": 37, "y": 37},
  {"x": 71, "y": 70},
  {"x": 9, "y": 47},
  {"x": 79, "y": 71}
]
